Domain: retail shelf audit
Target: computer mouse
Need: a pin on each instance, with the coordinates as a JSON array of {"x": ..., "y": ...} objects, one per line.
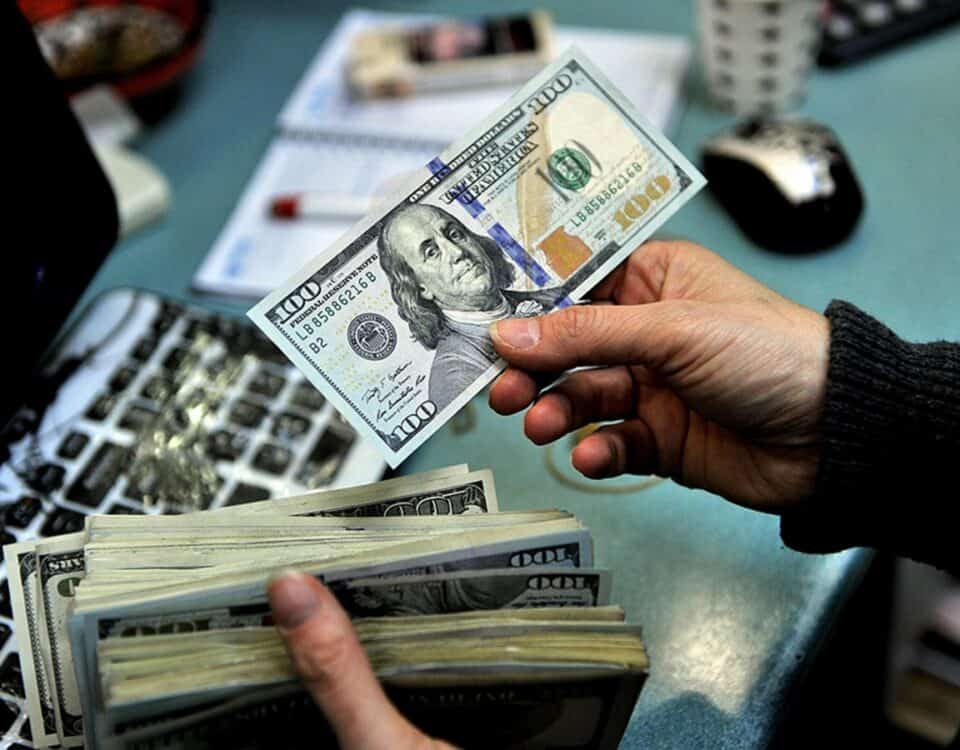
[{"x": 786, "y": 182}]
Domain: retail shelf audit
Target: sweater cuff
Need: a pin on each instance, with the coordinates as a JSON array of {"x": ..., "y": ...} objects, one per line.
[{"x": 891, "y": 425}]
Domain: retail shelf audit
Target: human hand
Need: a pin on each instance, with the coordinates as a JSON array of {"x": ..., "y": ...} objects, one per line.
[
  {"x": 713, "y": 379},
  {"x": 331, "y": 662}
]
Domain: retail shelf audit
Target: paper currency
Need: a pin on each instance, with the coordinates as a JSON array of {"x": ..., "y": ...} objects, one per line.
[
  {"x": 21, "y": 560},
  {"x": 548, "y": 680},
  {"x": 575, "y": 713},
  {"x": 474, "y": 590},
  {"x": 470, "y": 492},
  {"x": 237, "y": 598},
  {"x": 449, "y": 490},
  {"x": 154, "y": 631},
  {"x": 60, "y": 569},
  {"x": 524, "y": 215}
]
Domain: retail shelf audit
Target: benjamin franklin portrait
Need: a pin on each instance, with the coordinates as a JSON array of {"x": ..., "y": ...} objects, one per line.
[{"x": 449, "y": 285}]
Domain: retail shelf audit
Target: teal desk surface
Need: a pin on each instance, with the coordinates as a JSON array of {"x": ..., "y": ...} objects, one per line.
[{"x": 731, "y": 617}]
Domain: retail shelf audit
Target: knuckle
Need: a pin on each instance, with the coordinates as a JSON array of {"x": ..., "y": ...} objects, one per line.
[
  {"x": 577, "y": 321},
  {"x": 650, "y": 264}
]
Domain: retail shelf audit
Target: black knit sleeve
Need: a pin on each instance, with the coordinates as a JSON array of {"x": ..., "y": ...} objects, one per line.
[{"x": 891, "y": 446}]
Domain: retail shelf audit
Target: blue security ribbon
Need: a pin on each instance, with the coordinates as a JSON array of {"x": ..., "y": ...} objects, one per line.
[{"x": 499, "y": 234}]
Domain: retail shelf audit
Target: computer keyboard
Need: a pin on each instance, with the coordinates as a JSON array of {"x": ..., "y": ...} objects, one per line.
[
  {"x": 178, "y": 410},
  {"x": 856, "y": 29}
]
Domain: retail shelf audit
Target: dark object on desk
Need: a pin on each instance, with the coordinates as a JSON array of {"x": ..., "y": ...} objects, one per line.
[
  {"x": 64, "y": 211},
  {"x": 142, "y": 49},
  {"x": 80, "y": 405},
  {"x": 787, "y": 183},
  {"x": 450, "y": 54},
  {"x": 853, "y": 31}
]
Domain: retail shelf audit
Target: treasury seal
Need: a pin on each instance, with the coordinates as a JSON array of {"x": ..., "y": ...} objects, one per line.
[
  {"x": 372, "y": 336},
  {"x": 569, "y": 167}
]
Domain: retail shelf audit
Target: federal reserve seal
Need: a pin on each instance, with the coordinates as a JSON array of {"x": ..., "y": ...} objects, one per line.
[
  {"x": 569, "y": 167},
  {"x": 372, "y": 336}
]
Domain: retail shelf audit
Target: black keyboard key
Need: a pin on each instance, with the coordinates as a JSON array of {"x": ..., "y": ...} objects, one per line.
[
  {"x": 144, "y": 349},
  {"x": 8, "y": 714},
  {"x": 62, "y": 521},
  {"x": 5, "y": 600},
  {"x": 203, "y": 398},
  {"x": 273, "y": 459},
  {"x": 99, "y": 475},
  {"x": 225, "y": 445},
  {"x": 100, "y": 409},
  {"x": 266, "y": 383},
  {"x": 246, "y": 414},
  {"x": 137, "y": 418},
  {"x": 197, "y": 327},
  {"x": 325, "y": 458},
  {"x": 46, "y": 478},
  {"x": 179, "y": 358},
  {"x": 223, "y": 371},
  {"x": 307, "y": 397},
  {"x": 857, "y": 29},
  {"x": 11, "y": 678},
  {"x": 122, "y": 378},
  {"x": 157, "y": 388},
  {"x": 260, "y": 346},
  {"x": 5, "y": 633},
  {"x": 22, "y": 512},
  {"x": 289, "y": 426},
  {"x": 247, "y": 493},
  {"x": 123, "y": 510},
  {"x": 166, "y": 317},
  {"x": 342, "y": 425},
  {"x": 21, "y": 424},
  {"x": 142, "y": 487},
  {"x": 239, "y": 345},
  {"x": 198, "y": 497},
  {"x": 228, "y": 328},
  {"x": 73, "y": 445}
]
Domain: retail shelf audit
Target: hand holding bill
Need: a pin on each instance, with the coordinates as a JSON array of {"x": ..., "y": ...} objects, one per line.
[
  {"x": 335, "y": 670},
  {"x": 717, "y": 381}
]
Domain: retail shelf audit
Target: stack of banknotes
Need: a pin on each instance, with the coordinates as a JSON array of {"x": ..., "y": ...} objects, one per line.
[{"x": 488, "y": 628}]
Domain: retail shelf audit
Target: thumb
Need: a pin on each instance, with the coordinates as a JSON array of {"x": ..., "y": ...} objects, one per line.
[
  {"x": 585, "y": 335},
  {"x": 334, "y": 668}
]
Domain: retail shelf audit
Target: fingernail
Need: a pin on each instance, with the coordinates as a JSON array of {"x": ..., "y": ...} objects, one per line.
[
  {"x": 520, "y": 333},
  {"x": 292, "y": 598}
]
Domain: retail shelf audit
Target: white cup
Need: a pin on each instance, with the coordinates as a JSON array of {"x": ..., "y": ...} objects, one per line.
[{"x": 757, "y": 54}]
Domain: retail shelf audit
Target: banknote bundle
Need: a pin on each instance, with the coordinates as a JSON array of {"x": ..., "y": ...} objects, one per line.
[
  {"x": 522, "y": 216},
  {"x": 487, "y": 628}
]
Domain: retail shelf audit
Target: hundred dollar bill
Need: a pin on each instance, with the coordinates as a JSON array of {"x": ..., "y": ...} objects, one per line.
[
  {"x": 30, "y": 632},
  {"x": 471, "y": 492},
  {"x": 474, "y": 590},
  {"x": 565, "y": 711},
  {"x": 60, "y": 566},
  {"x": 240, "y": 599},
  {"x": 524, "y": 215}
]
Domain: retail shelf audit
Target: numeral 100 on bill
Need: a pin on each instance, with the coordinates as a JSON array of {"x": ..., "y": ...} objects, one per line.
[{"x": 639, "y": 203}]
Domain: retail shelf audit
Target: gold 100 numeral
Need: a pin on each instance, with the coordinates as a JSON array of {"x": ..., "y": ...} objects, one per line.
[{"x": 639, "y": 203}]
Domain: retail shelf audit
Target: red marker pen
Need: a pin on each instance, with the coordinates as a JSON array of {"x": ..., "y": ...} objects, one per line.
[{"x": 319, "y": 206}]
